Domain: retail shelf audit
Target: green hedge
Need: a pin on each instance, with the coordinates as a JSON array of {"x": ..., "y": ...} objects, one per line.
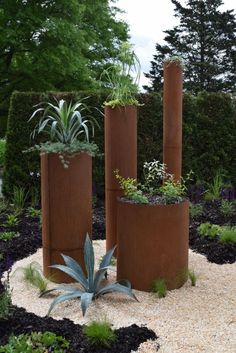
[{"x": 209, "y": 135}]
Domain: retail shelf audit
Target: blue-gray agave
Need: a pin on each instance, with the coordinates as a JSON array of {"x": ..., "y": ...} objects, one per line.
[{"x": 91, "y": 287}]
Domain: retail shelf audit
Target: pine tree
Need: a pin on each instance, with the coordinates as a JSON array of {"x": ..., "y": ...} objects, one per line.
[{"x": 206, "y": 40}]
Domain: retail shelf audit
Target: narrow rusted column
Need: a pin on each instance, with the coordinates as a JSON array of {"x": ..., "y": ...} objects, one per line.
[
  {"x": 172, "y": 123},
  {"x": 121, "y": 154},
  {"x": 66, "y": 210}
]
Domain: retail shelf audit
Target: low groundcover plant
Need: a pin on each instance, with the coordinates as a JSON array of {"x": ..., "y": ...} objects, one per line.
[
  {"x": 99, "y": 333},
  {"x": 90, "y": 286}
]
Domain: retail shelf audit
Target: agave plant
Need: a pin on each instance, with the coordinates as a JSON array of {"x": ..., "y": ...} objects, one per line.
[
  {"x": 90, "y": 286},
  {"x": 63, "y": 122}
]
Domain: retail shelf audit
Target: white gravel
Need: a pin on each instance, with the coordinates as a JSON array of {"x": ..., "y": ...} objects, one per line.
[{"x": 189, "y": 320}]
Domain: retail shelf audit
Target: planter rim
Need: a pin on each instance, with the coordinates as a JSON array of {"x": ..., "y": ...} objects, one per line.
[{"x": 137, "y": 204}]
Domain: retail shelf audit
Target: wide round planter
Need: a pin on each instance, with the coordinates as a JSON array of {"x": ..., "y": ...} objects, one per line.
[
  {"x": 66, "y": 210},
  {"x": 152, "y": 243},
  {"x": 121, "y": 154}
]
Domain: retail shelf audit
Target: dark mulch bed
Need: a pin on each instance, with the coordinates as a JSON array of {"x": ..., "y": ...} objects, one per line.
[{"x": 128, "y": 338}]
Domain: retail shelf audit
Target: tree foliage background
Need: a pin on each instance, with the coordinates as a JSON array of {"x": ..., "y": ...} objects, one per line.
[
  {"x": 206, "y": 39},
  {"x": 55, "y": 45}
]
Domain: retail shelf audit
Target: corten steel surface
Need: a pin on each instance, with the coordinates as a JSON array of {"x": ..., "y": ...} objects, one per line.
[
  {"x": 172, "y": 119},
  {"x": 66, "y": 210},
  {"x": 120, "y": 153},
  {"x": 153, "y": 243}
]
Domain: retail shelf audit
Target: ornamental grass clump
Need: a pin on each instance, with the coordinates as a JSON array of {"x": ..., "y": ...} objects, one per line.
[
  {"x": 99, "y": 333},
  {"x": 90, "y": 286},
  {"x": 123, "y": 77}
]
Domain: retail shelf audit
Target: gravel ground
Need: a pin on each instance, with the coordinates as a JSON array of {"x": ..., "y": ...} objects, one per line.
[{"x": 189, "y": 320}]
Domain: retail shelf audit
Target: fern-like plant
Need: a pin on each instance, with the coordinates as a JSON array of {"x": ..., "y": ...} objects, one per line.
[{"x": 91, "y": 284}]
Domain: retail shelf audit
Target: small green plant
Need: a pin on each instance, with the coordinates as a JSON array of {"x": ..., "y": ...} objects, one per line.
[
  {"x": 3, "y": 206},
  {"x": 193, "y": 277},
  {"x": 177, "y": 59},
  {"x": 154, "y": 174},
  {"x": 227, "y": 208},
  {"x": 159, "y": 287},
  {"x": 6, "y": 236},
  {"x": 214, "y": 188},
  {"x": 130, "y": 188},
  {"x": 11, "y": 221},
  {"x": 196, "y": 210},
  {"x": 36, "y": 342},
  {"x": 209, "y": 230},
  {"x": 19, "y": 199},
  {"x": 33, "y": 275},
  {"x": 99, "y": 333},
  {"x": 2, "y": 152},
  {"x": 123, "y": 77},
  {"x": 172, "y": 191},
  {"x": 228, "y": 235},
  {"x": 91, "y": 285},
  {"x": 33, "y": 212}
]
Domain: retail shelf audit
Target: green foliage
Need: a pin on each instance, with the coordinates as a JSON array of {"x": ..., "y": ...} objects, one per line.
[
  {"x": 228, "y": 235},
  {"x": 33, "y": 212},
  {"x": 204, "y": 38},
  {"x": 209, "y": 230},
  {"x": 196, "y": 210},
  {"x": 11, "y": 220},
  {"x": 91, "y": 285},
  {"x": 19, "y": 199},
  {"x": 209, "y": 121},
  {"x": 159, "y": 287},
  {"x": 227, "y": 208},
  {"x": 36, "y": 342},
  {"x": 130, "y": 188},
  {"x": 172, "y": 191},
  {"x": 5, "y": 304},
  {"x": 99, "y": 333},
  {"x": 33, "y": 275},
  {"x": 214, "y": 188},
  {"x": 193, "y": 277},
  {"x": 3, "y": 205},
  {"x": 2, "y": 152},
  {"x": 6, "y": 236},
  {"x": 154, "y": 174},
  {"x": 123, "y": 86}
]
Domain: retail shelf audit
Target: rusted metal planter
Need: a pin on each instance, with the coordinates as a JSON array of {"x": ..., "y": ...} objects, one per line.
[
  {"x": 152, "y": 243},
  {"x": 172, "y": 118},
  {"x": 121, "y": 154},
  {"x": 66, "y": 210}
]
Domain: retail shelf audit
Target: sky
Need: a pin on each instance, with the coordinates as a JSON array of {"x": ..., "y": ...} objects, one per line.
[{"x": 147, "y": 20}]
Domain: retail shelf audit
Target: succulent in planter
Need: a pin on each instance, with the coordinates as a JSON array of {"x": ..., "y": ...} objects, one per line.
[
  {"x": 123, "y": 77},
  {"x": 159, "y": 187},
  {"x": 67, "y": 129}
]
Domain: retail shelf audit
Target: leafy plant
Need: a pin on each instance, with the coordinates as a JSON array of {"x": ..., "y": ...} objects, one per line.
[
  {"x": 154, "y": 174},
  {"x": 130, "y": 188},
  {"x": 172, "y": 191},
  {"x": 5, "y": 236},
  {"x": 63, "y": 122},
  {"x": 159, "y": 287},
  {"x": 11, "y": 221},
  {"x": 33, "y": 212},
  {"x": 209, "y": 230},
  {"x": 228, "y": 235},
  {"x": 214, "y": 188},
  {"x": 19, "y": 198},
  {"x": 99, "y": 333},
  {"x": 123, "y": 78},
  {"x": 33, "y": 275},
  {"x": 36, "y": 342},
  {"x": 3, "y": 205},
  {"x": 196, "y": 210},
  {"x": 91, "y": 285},
  {"x": 193, "y": 277},
  {"x": 178, "y": 60},
  {"x": 227, "y": 208}
]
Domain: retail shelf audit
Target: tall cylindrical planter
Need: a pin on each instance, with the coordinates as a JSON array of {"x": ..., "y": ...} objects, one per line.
[
  {"x": 66, "y": 210},
  {"x": 172, "y": 118},
  {"x": 152, "y": 243},
  {"x": 121, "y": 154}
]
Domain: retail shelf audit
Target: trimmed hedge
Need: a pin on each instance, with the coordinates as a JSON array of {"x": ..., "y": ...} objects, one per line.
[{"x": 209, "y": 135}]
